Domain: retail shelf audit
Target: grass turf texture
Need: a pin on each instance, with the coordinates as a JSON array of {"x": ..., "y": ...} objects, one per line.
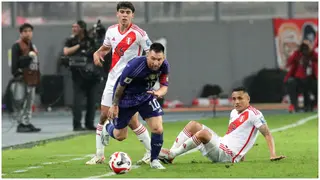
[{"x": 299, "y": 144}]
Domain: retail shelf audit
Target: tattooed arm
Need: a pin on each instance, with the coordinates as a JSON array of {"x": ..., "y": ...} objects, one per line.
[
  {"x": 268, "y": 136},
  {"x": 114, "y": 110},
  {"x": 124, "y": 80},
  {"x": 118, "y": 94}
]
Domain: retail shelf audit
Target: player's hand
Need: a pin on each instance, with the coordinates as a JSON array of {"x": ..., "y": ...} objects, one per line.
[
  {"x": 97, "y": 60},
  {"x": 155, "y": 93},
  {"x": 113, "y": 112},
  {"x": 277, "y": 158}
]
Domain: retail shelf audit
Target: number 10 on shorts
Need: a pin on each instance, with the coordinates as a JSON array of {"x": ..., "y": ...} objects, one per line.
[{"x": 154, "y": 104}]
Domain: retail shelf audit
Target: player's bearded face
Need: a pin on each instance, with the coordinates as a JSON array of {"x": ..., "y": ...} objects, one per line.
[
  {"x": 125, "y": 16},
  {"x": 155, "y": 60},
  {"x": 240, "y": 100}
]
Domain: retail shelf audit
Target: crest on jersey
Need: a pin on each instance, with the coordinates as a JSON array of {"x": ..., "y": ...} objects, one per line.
[
  {"x": 153, "y": 76},
  {"x": 127, "y": 80},
  {"x": 128, "y": 40}
]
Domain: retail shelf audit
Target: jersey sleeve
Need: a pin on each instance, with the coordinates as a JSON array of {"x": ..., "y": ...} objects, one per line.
[
  {"x": 258, "y": 120},
  {"x": 164, "y": 76},
  {"x": 144, "y": 41},
  {"x": 128, "y": 73},
  {"x": 107, "y": 39}
]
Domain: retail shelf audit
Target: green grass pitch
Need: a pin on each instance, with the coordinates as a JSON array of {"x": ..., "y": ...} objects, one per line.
[{"x": 299, "y": 144}]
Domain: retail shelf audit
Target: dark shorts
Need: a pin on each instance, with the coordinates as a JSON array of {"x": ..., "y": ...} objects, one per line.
[{"x": 148, "y": 109}]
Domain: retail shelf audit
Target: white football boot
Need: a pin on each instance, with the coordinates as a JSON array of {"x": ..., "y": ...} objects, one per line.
[
  {"x": 146, "y": 159},
  {"x": 96, "y": 160},
  {"x": 155, "y": 164},
  {"x": 165, "y": 156}
]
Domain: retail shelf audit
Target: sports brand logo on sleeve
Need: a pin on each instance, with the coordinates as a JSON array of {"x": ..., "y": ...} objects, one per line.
[
  {"x": 263, "y": 121},
  {"x": 148, "y": 42},
  {"x": 127, "y": 80}
]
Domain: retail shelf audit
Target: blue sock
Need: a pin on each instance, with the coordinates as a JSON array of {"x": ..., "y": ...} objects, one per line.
[
  {"x": 156, "y": 144},
  {"x": 110, "y": 128}
]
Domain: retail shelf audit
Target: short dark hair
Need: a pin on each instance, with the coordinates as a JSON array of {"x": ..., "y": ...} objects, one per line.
[
  {"x": 157, "y": 47},
  {"x": 125, "y": 5},
  {"x": 82, "y": 24},
  {"x": 240, "y": 89},
  {"x": 25, "y": 26}
]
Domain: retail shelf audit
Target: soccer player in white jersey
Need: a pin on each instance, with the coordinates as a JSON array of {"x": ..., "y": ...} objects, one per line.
[
  {"x": 126, "y": 40},
  {"x": 244, "y": 124}
]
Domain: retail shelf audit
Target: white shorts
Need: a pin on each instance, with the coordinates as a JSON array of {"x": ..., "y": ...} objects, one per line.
[
  {"x": 106, "y": 99},
  {"x": 212, "y": 149}
]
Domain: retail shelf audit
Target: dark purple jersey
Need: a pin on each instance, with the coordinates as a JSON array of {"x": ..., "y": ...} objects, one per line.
[{"x": 139, "y": 79}]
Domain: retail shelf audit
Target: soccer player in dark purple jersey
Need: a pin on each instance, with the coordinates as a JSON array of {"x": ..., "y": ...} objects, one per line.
[{"x": 134, "y": 92}]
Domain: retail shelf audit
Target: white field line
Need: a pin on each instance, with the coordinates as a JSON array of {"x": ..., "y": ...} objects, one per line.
[
  {"x": 283, "y": 128},
  {"x": 49, "y": 163},
  {"x": 110, "y": 173}
]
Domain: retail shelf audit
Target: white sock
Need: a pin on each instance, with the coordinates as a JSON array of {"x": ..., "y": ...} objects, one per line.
[
  {"x": 143, "y": 136},
  {"x": 99, "y": 145},
  {"x": 189, "y": 144},
  {"x": 181, "y": 138}
]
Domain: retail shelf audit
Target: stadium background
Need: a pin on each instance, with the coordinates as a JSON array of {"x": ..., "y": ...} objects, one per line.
[{"x": 207, "y": 43}]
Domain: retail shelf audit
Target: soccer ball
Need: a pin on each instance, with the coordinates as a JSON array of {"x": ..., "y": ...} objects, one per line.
[{"x": 120, "y": 163}]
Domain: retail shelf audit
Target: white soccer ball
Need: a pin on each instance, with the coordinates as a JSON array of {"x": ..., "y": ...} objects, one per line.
[{"x": 120, "y": 163}]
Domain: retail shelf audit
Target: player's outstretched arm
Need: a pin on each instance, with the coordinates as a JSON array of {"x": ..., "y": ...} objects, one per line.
[
  {"x": 162, "y": 91},
  {"x": 268, "y": 136}
]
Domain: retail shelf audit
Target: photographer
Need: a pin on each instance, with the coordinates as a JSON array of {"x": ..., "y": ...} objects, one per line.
[
  {"x": 26, "y": 72},
  {"x": 302, "y": 76},
  {"x": 78, "y": 52}
]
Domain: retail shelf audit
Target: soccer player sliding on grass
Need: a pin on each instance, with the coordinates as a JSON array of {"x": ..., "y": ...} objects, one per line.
[{"x": 244, "y": 124}]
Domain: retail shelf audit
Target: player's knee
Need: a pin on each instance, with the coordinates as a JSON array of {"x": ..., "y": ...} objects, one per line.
[
  {"x": 204, "y": 136},
  {"x": 121, "y": 137},
  {"x": 193, "y": 127},
  {"x": 157, "y": 130}
]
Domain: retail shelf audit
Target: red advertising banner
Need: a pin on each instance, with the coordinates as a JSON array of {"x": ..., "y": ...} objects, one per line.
[{"x": 289, "y": 33}]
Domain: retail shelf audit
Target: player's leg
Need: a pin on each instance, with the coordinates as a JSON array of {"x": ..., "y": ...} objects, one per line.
[
  {"x": 292, "y": 87},
  {"x": 143, "y": 135},
  {"x": 152, "y": 112},
  {"x": 214, "y": 150},
  {"x": 117, "y": 129},
  {"x": 200, "y": 134},
  {"x": 188, "y": 131},
  {"x": 106, "y": 101}
]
